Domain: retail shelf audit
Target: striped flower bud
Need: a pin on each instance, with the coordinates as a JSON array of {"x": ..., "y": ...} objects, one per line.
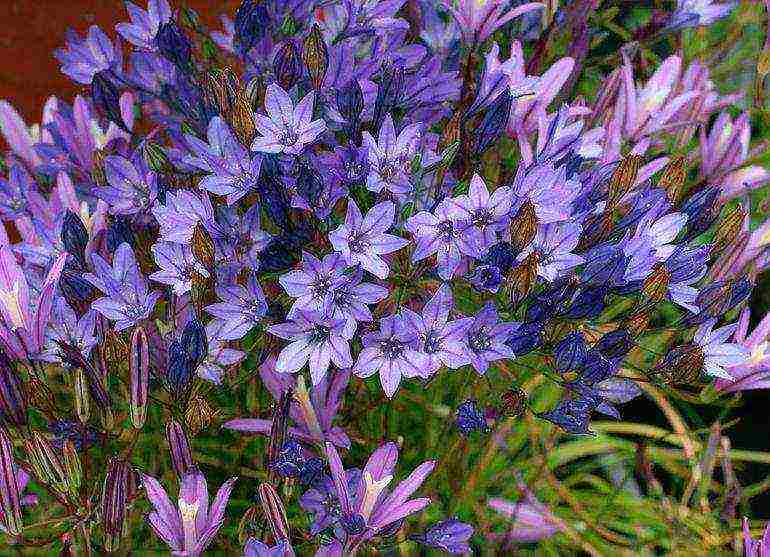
[
  {"x": 655, "y": 286},
  {"x": 672, "y": 179},
  {"x": 106, "y": 97},
  {"x": 156, "y": 157},
  {"x": 729, "y": 228},
  {"x": 199, "y": 414},
  {"x": 570, "y": 353},
  {"x": 174, "y": 45},
  {"x": 202, "y": 246},
  {"x": 252, "y": 21},
  {"x": 13, "y": 399},
  {"x": 74, "y": 237},
  {"x": 682, "y": 365},
  {"x": 139, "y": 367},
  {"x": 72, "y": 467},
  {"x": 350, "y": 101},
  {"x": 523, "y": 226},
  {"x": 220, "y": 87},
  {"x": 113, "y": 504},
  {"x": 274, "y": 511},
  {"x": 181, "y": 457},
  {"x": 316, "y": 56},
  {"x": 46, "y": 464},
  {"x": 287, "y": 65},
  {"x": 623, "y": 179},
  {"x": 82, "y": 402},
  {"x": 10, "y": 503},
  {"x": 40, "y": 395},
  {"x": 242, "y": 118},
  {"x": 493, "y": 123}
]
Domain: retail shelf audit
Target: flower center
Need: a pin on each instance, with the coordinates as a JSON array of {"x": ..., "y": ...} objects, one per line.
[
  {"x": 288, "y": 137},
  {"x": 480, "y": 340},
  {"x": 358, "y": 243},
  {"x": 391, "y": 348}
]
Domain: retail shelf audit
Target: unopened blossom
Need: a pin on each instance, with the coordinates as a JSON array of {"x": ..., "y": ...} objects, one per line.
[
  {"x": 189, "y": 529},
  {"x": 82, "y": 58},
  {"x": 255, "y": 548},
  {"x": 231, "y": 170},
  {"x": 485, "y": 339},
  {"x": 478, "y": 19},
  {"x": 315, "y": 340},
  {"x": 449, "y": 535},
  {"x": 477, "y": 209},
  {"x": 127, "y": 298},
  {"x": 286, "y": 128},
  {"x": 390, "y": 157},
  {"x": 144, "y": 24},
  {"x": 439, "y": 233},
  {"x": 389, "y": 353},
  {"x": 241, "y": 309},
  {"x": 177, "y": 266},
  {"x": 363, "y": 239},
  {"x": 17, "y": 134},
  {"x": 313, "y": 285},
  {"x": 440, "y": 339}
]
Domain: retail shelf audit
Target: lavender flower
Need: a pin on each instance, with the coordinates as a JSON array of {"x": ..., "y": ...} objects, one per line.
[
  {"x": 754, "y": 373},
  {"x": 488, "y": 215},
  {"x": 144, "y": 25},
  {"x": 449, "y": 535},
  {"x": 692, "y": 13},
  {"x": 352, "y": 298},
  {"x": 231, "y": 171},
  {"x": 126, "y": 299},
  {"x": 390, "y": 157},
  {"x": 314, "y": 284},
  {"x": 362, "y": 240},
  {"x": 81, "y": 59},
  {"x": 486, "y": 338},
  {"x": 240, "y": 309},
  {"x": 286, "y": 129},
  {"x": 390, "y": 353},
  {"x": 532, "y": 521},
  {"x": 554, "y": 244},
  {"x": 755, "y": 548},
  {"x": 190, "y": 529},
  {"x": 181, "y": 213},
  {"x": 255, "y": 548},
  {"x": 478, "y": 19},
  {"x": 177, "y": 264},
  {"x": 718, "y": 354},
  {"x": 315, "y": 340}
]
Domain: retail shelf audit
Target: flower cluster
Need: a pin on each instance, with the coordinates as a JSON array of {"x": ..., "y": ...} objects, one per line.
[{"x": 337, "y": 191}]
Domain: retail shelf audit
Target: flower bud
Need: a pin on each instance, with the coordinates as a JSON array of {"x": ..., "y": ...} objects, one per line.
[
  {"x": 681, "y": 365},
  {"x": 74, "y": 237},
  {"x": 729, "y": 228},
  {"x": 388, "y": 93},
  {"x": 199, "y": 414},
  {"x": 45, "y": 463},
  {"x": 139, "y": 367},
  {"x": 106, "y": 98},
  {"x": 10, "y": 503},
  {"x": 316, "y": 56},
  {"x": 596, "y": 368},
  {"x": 78, "y": 292},
  {"x": 97, "y": 168},
  {"x": 13, "y": 399},
  {"x": 119, "y": 232},
  {"x": 615, "y": 344},
  {"x": 702, "y": 210},
  {"x": 350, "y": 101},
  {"x": 202, "y": 246},
  {"x": 673, "y": 177},
  {"x": 220, "y": 88},
  {"x": 526, "y": 338},
  {"x": 637, "y": 323},
  {"x": 40, "y": 395},
  {"x": 655, "y": 286},
  {"x": 513, "y": 402},
  {"x": 195, "y": 343},
  {"x": 242, "y": 119},
  {"x": 156, "y": 157},
  {"x": 287, "y": 65},
  {"x": 523, "y": 276},
  {"x": 174, "y": 45},
  {"x": 82, "y": 403},
  {"x": 72, "y": 468},
  {"x": 181, "y": 457},
  {"x": 113, "y": 503},
  {"x": 274, "y": 511},
  {"x": 115, "y": 350},
  {"x": 523, "y": 226},
  {"x": 493, "y": 123},
  {"x": 570, "y": 353},
  {"x": 623, "y": 179},
  {"x": 252, "y": 21},
  {"x": 178, "y": 372}
]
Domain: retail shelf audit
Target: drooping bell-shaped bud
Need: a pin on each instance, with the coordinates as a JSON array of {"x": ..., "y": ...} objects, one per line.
[
  {"x": 74, "y": 237},
  {"x": 623, "y": 179},
  {"x": 287, "y": 65},
  {"x": 526, "y": 338},
  {"x": 315, "y": 54},
  {"x": 350, "y": 101},
  {"x": 523, "y": 226},
  {"x": 106, "y": 98},
  {"x": 252, "y": 22},
  {"x": 72, "y": 467},
  {"x": 113, "y": 503},
  {"x": 493, "y": 123},
  {"x": 274, "y": 510},
  {"x": 388, "y": 93},
  {"x": 174, "y": 45},
  {"x": 181, "y": 457},
  {"x": 10, "y": 503},
  {"x": 655, "y": 286},
  {"x": 156, "y": 158},
  {"x": 615, "y": 344},
  {"x": 139, "y": 367},
  {"x": 13, "y": 399},
  {"x": 82, "y": 401},
  {"x": 570, "y": 353},
  {"x": 118, "y": 232},
  {"x": 194, "y": 341}
]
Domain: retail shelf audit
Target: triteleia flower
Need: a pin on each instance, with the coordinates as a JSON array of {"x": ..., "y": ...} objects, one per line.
[
  {"x": 370, "y": 509},
  {"x": 477, "y": 209},
  {"x": 391, "y": 156},
  {"x": 478, "y": 19},
  {"x": 532, "y": 521},
  {"x": 362, "y": 240},
  {"x": 189, "y": 530},
  {"x": 470, "y": 418},
  {"x": 315, "y": 340},
  {"x": 352, "y": 298},
  {"x": 554, "y": 244},
  {"x": 17, "y": 134},
  {"x": 390, "y": 353},
  {"x": 177, "y": 266},
  {"x": 24, "y": 320},
  {"x": 286, "y": 129},
  {"x": 441, "y": 340},
  {"x": 718, "y": 354},
  {"x": 485, "y": 340},
  {"x": 449, "y": 535},
  {"x": 313, "y": 285},
  {"x": 83, "y": 58},
  {"x": 240, "y": 309},
  {"x": 755, "y": 548},
  {"x": 232, "y": 172},
  {"x": 651, "y": 243},
  {"x": 127, "y": 299},
  {"x": 144, "y": 24},
  {"x": 693, "y": 13},
  {"x": 180, "y": 214},
  {"x": 754, "y": 373},
  {"x": 255, "y": 548}
]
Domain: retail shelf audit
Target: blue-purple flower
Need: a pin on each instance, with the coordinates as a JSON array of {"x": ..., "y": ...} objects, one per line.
[
  {"x": 485, "y": 339},
  {"x": 487, "y": 214},
  {"x": 313, "y": 285},
  {"x": 390, "y": 157},
  {"x": 131, "y": 186},
  {"x": 177, "y": 266},
  {"x": 286, "y": 128},
  {"x": 83, "y": 58},
  {"x": 144, "y": 24},
  {"x": 239, "y": 311}
]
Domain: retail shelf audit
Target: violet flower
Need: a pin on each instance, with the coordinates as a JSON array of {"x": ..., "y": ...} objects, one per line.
[
  {"x": 390, "y": 353},
  {"x": 255, "y": 548},
  {"x": 478, "y": 19},
  {"x": 449, "y": 535},
  {"x": 371, "y": 507},
  {"x": 439, "y": 233},
  {"x": 390, "y": 157},
  {"x": 362, "y": 240},
  {"x": 754, "y": 372},
  {"x": 487, "y": 214},
  {"x": 312, "y": 412},
  {"x": 532, "y": 521},
  {"x": 240, "y": 309},
  {"x": 177, "y": 265},
  {"x": 485, "y": 339},
  {"x": 755, "y": 548},
  {"x": 316, "y": 340},
  {"x": 144, "y": 25},
  {"x": 652, "y": 243},
  {"x": 352, "y": 298},
  {"x": 441, "y": 340},
  {"x": 719, "y": 355},
  {"x": 286, "y": 129},
  {"x": 82, "y": 58},
  {"x": 191, "y": 528},
  {"x": 232, "y": 172},
  {"x": 314, "y": 284},
  {"x": 182, "y": 211},
  {"x": 67, "y": 328},
  {"x": 554, "y": 243},
  {"x": 126, "y": 300},
  {"x": 694, "y": 13},
  {"x": 132, "y": 186}
]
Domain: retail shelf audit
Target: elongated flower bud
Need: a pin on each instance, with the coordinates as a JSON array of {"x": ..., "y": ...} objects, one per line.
[
  {"x": 316, "y": 56},
  {"x": 13, "y": 399},
  {"x": 72, "y": 467},
  {"x": 570, "y": 353},
  {"x": 78, "y": 292},
  {"x": 242, "y": 118},
  {"x": 113, "y": 504},
  {"x": 350, "y": 101},
  {"x": 82, "y": 402},
  {"x": 287, "y": 65},
  {"x": 106, "y": 98},
  {"x": 174, "y": 45},
  {"x": 251, "y": 23},
  {"x": 156, "y": 157},
  {"x": 46, "y": 464},
  {"x": 74, "y": 237},
  {"x": 220, "y": 89},
  {"x": 181, "y": 457},
  {"x": 9, "y": 489},
  {"x": 523, "y": 226},
  {"x": 199, "y": 414},
  {"x": 655, "y": 287},
  {"x": 672, "y": 179},
  {"x": 139, "y": 366},
  {"x": 202, "y": 246},
  {"x": 493, "y": 123},
  {"x": 274, "y": 511},
  {"x": 623, "y": 179},
  {"x": 728, "y": 228}
]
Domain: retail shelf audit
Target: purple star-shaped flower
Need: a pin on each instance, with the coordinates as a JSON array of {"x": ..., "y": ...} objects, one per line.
[
  {"x": 83, "y": 58},
  {"x": 439, "y": 233},
  {"x": 351, "y": 300},
  {"x": 554, "y": 243},
  {"x": 390, "y": 353},
  {"x": 391, "y": 157},
  {"x": 286, "y": 128},
  {"x": 313, "y": 285},
  {"x": 486, "y": 214},
  {"x": 181, "y": 213},
  {"x": 144, "y": 24},
  {"x": 362, "y": 240},
  {"x": 441, "y": 340},
  {"x": 485, "y": 339},
  {"x": 132, "y": 187},
  {"x": 240, "y": 309},
  {"x": 127, "y": 299},
  {"x": 177, "y": 265},
  {"x": 232, "y": 171},
  {"x": 316, "y": 340}
]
